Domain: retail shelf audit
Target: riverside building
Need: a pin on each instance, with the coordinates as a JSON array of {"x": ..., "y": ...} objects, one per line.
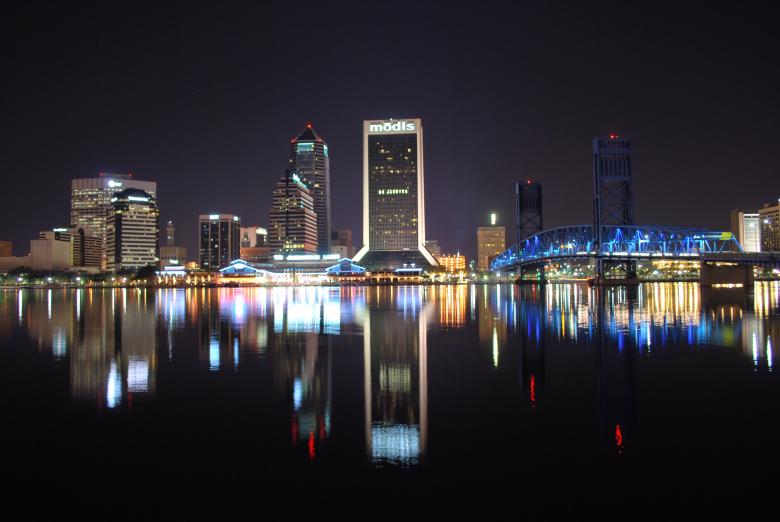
[{"x": 393, "y": 196}]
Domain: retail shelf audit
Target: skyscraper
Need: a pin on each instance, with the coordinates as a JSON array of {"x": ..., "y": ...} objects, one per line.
[
  {"x": 309, "y": 160},
  {"x": 769, "y": 216},
  {"x": 528, "y": 196},
  {"x": 491, "y": 241},
  {"x": 132, "y": 231},
  {"x": 393, "y": 195},
  {"x": 292, "y": 220},
  {"x": 90, "y": 200},
  {"x": 220, "y": 240},
  {"x": 746, "y": 226}
]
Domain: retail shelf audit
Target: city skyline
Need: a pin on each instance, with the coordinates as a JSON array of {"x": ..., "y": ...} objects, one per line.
[{"x": 530, "y": 121}]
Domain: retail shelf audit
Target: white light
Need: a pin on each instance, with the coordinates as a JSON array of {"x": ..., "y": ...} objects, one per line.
[
  {"x": 213, "y": 216},
  {"x": 235, "y": 218},
  {"x": 112, "y": 183},
  {"x": 137, "y": 198}
]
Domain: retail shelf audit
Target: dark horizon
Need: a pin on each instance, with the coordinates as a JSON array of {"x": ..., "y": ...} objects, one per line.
[{"x": 204, "y": 101}]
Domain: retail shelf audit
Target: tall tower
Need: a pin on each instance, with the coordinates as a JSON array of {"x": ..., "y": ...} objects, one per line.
[
  {"x": 132, "y": 231},
  {"x": 292, "y": 221},
  {"x": 613, "y": 198},
  {"x": 393, "y": 195},
  {"x": 220, "y": 240},
  {"x": 528, "y": 196},
  {"x": 309, "y": 160},
  {"x": 491, "y": 241},
  {"x": 90, "y": 201}
]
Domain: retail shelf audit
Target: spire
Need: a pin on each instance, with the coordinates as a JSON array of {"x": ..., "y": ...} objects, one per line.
[{"x": 307, "y": 134}]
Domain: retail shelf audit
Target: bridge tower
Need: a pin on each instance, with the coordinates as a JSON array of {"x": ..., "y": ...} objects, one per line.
[
  {"x": 528, "y": 208},
  {"x": 613, "y": 197}
]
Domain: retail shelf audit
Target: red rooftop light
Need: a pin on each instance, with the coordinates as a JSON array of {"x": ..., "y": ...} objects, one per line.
[{"x": 613, "y": 136}]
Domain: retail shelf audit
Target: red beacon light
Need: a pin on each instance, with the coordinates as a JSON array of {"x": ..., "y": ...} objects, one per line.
[
  {"x": 308, "y": 125},
  {"x": 613, "y": 136},
  {"x": 528, "y": 182}
]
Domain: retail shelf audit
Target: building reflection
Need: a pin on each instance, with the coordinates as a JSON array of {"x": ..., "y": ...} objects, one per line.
[
  {"x": 395, "y": 359},
  {"x": 493, "y": 310},
  {"x": 532, "y": 329},
  {"x": 304, "y": 321},
  {"x": 107, "y": 338}
]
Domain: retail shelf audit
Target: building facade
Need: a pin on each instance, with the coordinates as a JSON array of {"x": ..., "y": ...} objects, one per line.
[
  {"x": 132, "y": 231},
  {"x": 170, "y": 254},
  {"x": 769, "y": 217},
  {"x": 746, "y": 226},
  {"x": 85, "y": 251},
  {"x": 310, "y": 161},
  {"x": 452, "y": 262},
  {"x": 90, "y": 201},
  {"x": 393, "y": 196},
  {"x": 219, "y": 238},
  {"x": 6, "y": 248},
  {"x": 292, "y": 220},
  {"x": 491, "y": 241}
]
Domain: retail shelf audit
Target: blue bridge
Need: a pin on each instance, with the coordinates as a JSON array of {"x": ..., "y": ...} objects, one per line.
[{"x": 628, "y": 243}]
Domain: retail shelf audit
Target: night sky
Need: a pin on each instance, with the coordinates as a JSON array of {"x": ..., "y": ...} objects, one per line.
[{"x": 204, "y": 100}]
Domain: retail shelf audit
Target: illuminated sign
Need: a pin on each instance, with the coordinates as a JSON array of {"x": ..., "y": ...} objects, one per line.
[
  {"x": 492, "y": 219},
  {"x": 60, "y": 230},
  {"x": 113, "y": 184},
  {"x": 392, "y": 126},
  {"x": 213, "y": 216},
  {"x": 137, "y": 198},
  {"x": 390, "y": 192}
]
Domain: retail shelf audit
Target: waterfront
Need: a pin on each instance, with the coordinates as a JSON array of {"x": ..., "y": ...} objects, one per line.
[{"x": 418, "y": 389}]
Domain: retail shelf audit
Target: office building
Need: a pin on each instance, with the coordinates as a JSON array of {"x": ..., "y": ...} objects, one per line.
[
  {"x": 90, "y": 200},
  {"x": 85, "y": 251},
  {"x": 254, "y": 244},
  {"x": 132, "y": 231},
  {"x": 219, "y": 239},
  {"x": 432, "y": 245},
  {"x": 6, "y": 248},
  {"x": 254, "y": 236},
  {"x": 309, "y": 160},
  {"x": 769, "y": 217},
  {"x": 393, "y": 196},
  {"x": 746, "y": 227},
  {"x": 50, "y": 254},
  {"x": 491, "y": 241},
  {"x": 341, "y": 243},
  {"x": 170, "y": 253},
  {"x": 292, "y": 220},
  {"x": 528, "y": 209},
  {"x": 452, "y": 262}
]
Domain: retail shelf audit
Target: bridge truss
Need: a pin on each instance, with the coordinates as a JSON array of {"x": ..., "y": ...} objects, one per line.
[{"x": 618, "y": 242}]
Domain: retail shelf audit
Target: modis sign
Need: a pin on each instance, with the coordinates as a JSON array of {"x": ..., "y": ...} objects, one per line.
[{"x": 392, "y": 126}]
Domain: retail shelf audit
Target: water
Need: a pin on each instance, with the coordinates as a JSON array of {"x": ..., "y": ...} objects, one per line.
[{"x": 453, "y": 397}]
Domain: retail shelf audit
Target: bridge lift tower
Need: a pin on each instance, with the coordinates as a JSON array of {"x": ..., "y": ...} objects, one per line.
[{"x": 613, "y": 197}]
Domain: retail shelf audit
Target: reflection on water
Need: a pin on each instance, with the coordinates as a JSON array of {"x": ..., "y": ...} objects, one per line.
[{"x": 110, "y": 341}]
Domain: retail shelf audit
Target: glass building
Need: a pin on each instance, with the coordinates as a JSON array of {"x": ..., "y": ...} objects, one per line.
[
  {"x": 393, "y": 196},
  {"x": 292, "y": 222},
  {"x": 90, "y": 200},
  {"x": 220, "y": 240},
  {"x": 309, "y": 160},
  {"x": 132, "y": 231}
]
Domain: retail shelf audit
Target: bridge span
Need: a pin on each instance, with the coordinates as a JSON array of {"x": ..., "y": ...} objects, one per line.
[{"x": 628, "y": 244}]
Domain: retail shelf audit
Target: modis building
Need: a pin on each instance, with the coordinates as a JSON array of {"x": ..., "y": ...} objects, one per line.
[{"x": 393, "y": 196}]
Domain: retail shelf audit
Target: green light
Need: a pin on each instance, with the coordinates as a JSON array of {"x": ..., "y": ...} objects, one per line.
[{"x": 305, "y": 147}]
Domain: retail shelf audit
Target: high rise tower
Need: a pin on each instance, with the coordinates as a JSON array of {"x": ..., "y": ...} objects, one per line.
[
  {"x": 309, "y": 160},
  {"x": 292, "y": 221},
  {"x": 90, "y": 201},
  {"x": 132, "y": 231},
  {"x": 393, "y": 195}
]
